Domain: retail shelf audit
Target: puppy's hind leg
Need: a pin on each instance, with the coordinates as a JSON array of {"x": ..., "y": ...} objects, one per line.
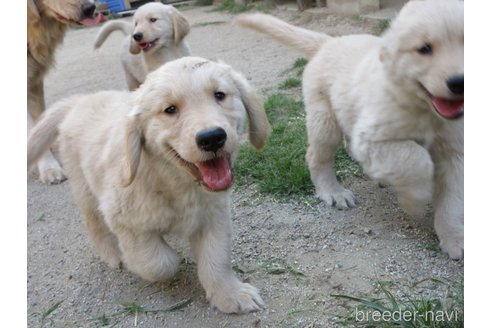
[
  {"x": 324, "y": 138},
  {"x": 50, "y": 171},
  {"x": 103, "y": 240}
]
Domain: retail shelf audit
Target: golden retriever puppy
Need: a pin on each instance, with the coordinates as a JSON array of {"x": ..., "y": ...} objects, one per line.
[
  {"x": 399, "y": 101},
  {"x": 158, "y": 161},
  {"x": 155, "y": 37},
  {"x": 47, "y": 21}
]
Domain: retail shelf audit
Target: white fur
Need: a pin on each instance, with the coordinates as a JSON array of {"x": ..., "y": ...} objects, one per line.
[
  {"x": 169, "y": 29},
  {"x": 132, "y": 189},
  {"x": 369, "y": 89}
]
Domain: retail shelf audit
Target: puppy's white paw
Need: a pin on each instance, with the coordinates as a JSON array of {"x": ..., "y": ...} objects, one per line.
[
  {"x": 453, "y": 246},
  {"x": 240, "y": 298},
  {"x": 52, "y": 175},
  {"x": 50, "y": 172},
  {"x": 342, "y": 199}
]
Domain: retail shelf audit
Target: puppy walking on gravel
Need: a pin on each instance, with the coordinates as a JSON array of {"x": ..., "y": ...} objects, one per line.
[
  {"x": 155, "y": 37},
  {"x": 399, "y": 101},
  {"x": 158, "y": 161}
]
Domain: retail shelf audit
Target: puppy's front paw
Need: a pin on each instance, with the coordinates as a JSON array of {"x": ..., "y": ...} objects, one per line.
[
  {"x": 342, "y": 199},
  {"x": 453, "y": 246},
  {"x": 241, "y": 298}
]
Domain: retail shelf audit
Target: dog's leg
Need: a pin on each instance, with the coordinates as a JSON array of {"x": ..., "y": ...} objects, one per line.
[
  {"x": 449, "y": 212},
  {"x": 148, "y": 255},
  {"x": 131, "y": 82},
  {"x": 212, "y": 249},
  {"x": 324, "y": 138},
  {"x": 104, "y": 241},
  {"x": 449, "y": 193},
  {"x": 405, "y": 165},
  {"x": 50, "y": 171}
]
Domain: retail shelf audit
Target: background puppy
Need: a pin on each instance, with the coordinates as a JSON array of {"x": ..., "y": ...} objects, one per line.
[
  {"x": 155, "y": 37},
  {"x": 159, "y": 160},
  {"x": 47, "y": 21},
  {"x": 399, "y": 100}
]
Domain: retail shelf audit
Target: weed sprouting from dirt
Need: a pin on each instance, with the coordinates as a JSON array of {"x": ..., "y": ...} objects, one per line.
[{"x": 429, "y": 303}]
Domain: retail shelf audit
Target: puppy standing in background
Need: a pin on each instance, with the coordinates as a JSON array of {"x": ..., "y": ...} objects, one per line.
[
  {"x": 47, "y": 22},
  {"x": 155, "y": 37},
  {"x": 399, "y": 101},
  {"x": 158, "y": 161}
]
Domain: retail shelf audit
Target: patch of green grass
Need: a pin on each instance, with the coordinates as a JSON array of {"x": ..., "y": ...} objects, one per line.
[
  {"x": 430, "y": 303},
  {"x": 281, "y": 266},
  {"x": 45, "y": 315},
  {"x": 233, "y": 8},
  {"x": 383, "y": 25},
  {"x": 279, "y": 168},
  {"x": 209, "y": 23},
  {"x": 299, "y": 66},
  {"x": 202, "y": 3},
  {"x": 290, "y": 83}
]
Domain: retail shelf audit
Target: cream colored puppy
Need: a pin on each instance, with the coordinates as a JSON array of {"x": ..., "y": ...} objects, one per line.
[
  {"x": 158, "y": 161},
  {"x": 155, "y": 37},
  {"x": 398, "y": 99}
]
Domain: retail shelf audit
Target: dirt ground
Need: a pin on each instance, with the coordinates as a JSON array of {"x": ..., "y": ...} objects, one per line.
[{"x": 338, "y": 252}]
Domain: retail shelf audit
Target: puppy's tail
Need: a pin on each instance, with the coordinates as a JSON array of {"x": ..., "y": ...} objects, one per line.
[
  {"x": 108, "y": 28},
  {"x": 44, "y": 133},
  {"x": 301, "y": 39}
]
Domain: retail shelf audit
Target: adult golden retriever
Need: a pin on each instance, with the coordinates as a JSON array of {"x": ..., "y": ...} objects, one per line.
[
  {"x": 47, "y": 21},
  {"x": 155, "y": 37},
  {"x": 399, "y": 101},
  {"x": 159, "y": 160}
]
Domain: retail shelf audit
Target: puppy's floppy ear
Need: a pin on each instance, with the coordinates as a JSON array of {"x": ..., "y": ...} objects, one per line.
[
  {"x": 32, "y": 11},
  {"x": 181, "y": 26},
  {"x": 134, "y": 47},
  {"x": 133, "y": 146},
  {"x": 259, "y": 128}
]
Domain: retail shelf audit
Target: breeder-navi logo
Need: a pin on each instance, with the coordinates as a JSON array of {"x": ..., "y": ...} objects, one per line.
[{"x": 405, "y": 316}]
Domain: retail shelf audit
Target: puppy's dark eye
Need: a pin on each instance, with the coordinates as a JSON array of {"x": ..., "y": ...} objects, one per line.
[
  {"x": 153, "y": 20},
  {"x": 425, "y": 50},
  {"x": 171, "y": 110},
  {"x": 219, "y": 95}
]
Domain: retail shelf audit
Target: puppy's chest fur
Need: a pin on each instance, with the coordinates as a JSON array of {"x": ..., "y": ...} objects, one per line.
[{"x": 169, "y": 203}]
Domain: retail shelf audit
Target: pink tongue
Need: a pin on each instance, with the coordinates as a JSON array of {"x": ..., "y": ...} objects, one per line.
[
  {"x": 216, "y": 173},
  {"x": 144, "y": 45},
  {"x": 93, "y": 21},
  {"x": 448, "y": 108}
]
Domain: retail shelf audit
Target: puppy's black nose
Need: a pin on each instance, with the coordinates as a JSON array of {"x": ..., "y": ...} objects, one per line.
[
  {"x": 138, "y": 36},
  {"x": 456, "y": 84},
  {"x": 88, "y": 9},
  {"x": 212, "y": 139}
]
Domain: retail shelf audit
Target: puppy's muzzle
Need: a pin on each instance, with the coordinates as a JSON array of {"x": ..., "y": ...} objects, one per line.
[
  {"x": 456, "y": 84},
  {"x": 211, "y": 139},
  {"x": 138, "y": 36}
]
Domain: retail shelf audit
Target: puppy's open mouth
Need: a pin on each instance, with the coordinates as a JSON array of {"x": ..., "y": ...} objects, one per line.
[
  {"x": 85, "y": 22},
  {"x": 145, "y": 46},
  {"x": 215, "y": 174},
  {"x": 447, "y": 108}
]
